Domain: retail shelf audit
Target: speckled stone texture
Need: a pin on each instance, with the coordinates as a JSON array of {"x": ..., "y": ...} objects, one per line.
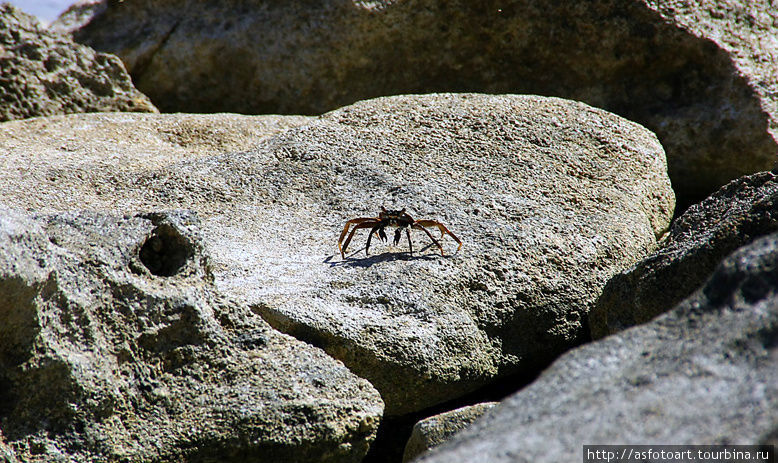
[
  {"x": 738, "y": 213},
  {"x": 43, "y": 73},
  {"x": 705, "y": 372},
  {"x": 550, "y": 197},
  {"x": 700, "y": 74},
  {"x": 433, "y": 431},
  {"x": 115, "y": 346}
]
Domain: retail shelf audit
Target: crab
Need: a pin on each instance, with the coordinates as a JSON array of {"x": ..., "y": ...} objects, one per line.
[{"x": 399, "y": 219}]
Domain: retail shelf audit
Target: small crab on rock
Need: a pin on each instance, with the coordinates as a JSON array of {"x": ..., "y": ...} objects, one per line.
[{"x": 398, "y": 219}]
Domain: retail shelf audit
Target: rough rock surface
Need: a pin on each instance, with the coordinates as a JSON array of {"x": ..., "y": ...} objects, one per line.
[
  {"x": 76, "y": 16},
  {"x": 92, "y": 161},
  {"x": 707, "y": 372},
  {"x": 701, "y": 75},
  {"x": 433, "y": 431},
  {"x": 114, "y": 346},
  {"x": 550, "y": 197},
  {"x": 707, "y": 232},
  {"x": 44, "y": 73}
]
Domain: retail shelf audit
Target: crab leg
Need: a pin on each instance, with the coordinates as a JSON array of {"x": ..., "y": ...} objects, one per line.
[
  {"x": 397, "y": 235},
  {"x": 361, "y": 223},
  {"x": 380, "y": 230},
  {"x": 352, "y": 222},
  {"x": 410, "y": 243},
  {"x": 418, "y": 226},
  {"x": 441, "y": 227}
]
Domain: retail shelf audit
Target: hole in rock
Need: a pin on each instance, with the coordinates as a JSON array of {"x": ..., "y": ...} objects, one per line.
[{"x": 165, "y": 252}]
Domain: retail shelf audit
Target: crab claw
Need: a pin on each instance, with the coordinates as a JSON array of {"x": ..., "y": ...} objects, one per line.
[{"x": 382, "y": 234}]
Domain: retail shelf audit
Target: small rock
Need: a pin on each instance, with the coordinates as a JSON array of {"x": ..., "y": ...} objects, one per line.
[{"x": 433, "y": 431}]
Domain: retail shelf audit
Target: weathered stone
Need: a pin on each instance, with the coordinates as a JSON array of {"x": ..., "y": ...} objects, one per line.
[
  {"x": 550, "y": 197},
  {"x": 44, "y": 73},
  {"x": 92, "y": 161},
  {"x": 433, "y": 431},
  {"x": 546, "y": 208},
  {"x": 707, "y": 232},
  {"x": 78, "y": 14},
  {"x": 706, "y": 372},
  {"x": 701, "y": 75},
  {"x": 114, "y": 346}
]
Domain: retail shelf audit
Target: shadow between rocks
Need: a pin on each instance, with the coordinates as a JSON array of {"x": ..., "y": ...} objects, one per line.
[{"x": 394, "y": 432}]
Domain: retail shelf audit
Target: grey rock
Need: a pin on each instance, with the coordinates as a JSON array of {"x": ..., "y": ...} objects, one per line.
[
  {"x": 43, "y": 73},
  {"x": 706, "y": 372},
  {"x": 701, "y": 75},
  {"x": 115, "y": 346},
  {"x": 93, "y": 161},
  {"x": 77, "y": 15},
  {"x": 550, "y": 197},
  {"x": 526, "y": 182},
  {"x": 433, "y": 431},
  {"x": 698, "y": 240}
]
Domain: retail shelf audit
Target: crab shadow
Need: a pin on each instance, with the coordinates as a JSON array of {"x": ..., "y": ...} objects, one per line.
[{"x": 352, "y": 261}]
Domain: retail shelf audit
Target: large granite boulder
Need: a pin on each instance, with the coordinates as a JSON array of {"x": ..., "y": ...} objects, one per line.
[
  {"x": 44, "y": 73},
  {"x": 706, "y": 372},
  {"x": 550, "y": 198},
  {"x": 701, "y": 75},
  {"x": 114, "y": 346},
  {"x": 741, "y": 211}
]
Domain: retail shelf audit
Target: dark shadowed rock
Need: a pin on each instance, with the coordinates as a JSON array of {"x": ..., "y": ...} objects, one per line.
[
  {"x": 701, "y": 75},
  {"x": 550, "y": 198},
  {"x": 433, "y": 431},
  {"x": 43, "y": 73},
  {"x": 114, "y": 346},
  {"x": 707, "y": 372},
  {"x": 698, "y": 240}
]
